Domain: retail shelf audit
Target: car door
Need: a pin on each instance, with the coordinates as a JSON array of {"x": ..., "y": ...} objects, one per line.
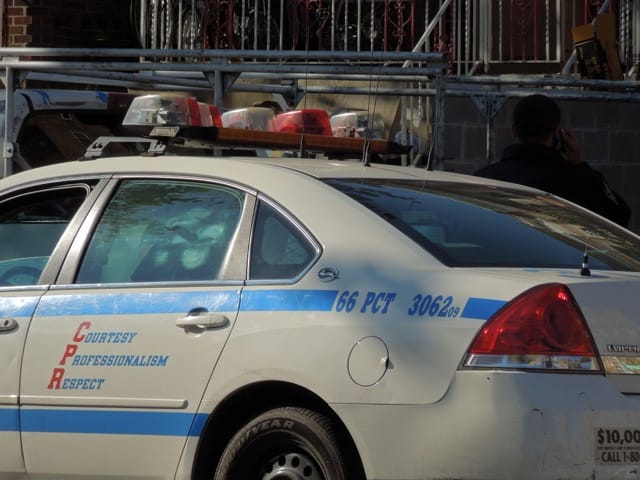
[
  {"x": 120, "y": 351},
  {"x": 32, "y": 222}
]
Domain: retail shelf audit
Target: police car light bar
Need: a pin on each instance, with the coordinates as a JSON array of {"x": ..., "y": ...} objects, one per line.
[
  {"x": 233, "y": 137},
  {"x": 186, "y": 122}
]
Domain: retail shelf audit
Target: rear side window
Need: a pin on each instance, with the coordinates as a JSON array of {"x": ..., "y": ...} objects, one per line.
[
  {"x": 279, "y": 249},
  {"x": 163, "y": 231},
  {"x": 30, "y": 227},
  {"x": 466, "y": 225}
]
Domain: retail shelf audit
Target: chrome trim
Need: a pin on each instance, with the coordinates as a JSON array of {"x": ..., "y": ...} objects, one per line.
[
  {"x": 301, "y": 228},
  {"x": 8, "y": 399},
  {"x": 132, "y": 286},
  {"x": 120, "y": 402}
]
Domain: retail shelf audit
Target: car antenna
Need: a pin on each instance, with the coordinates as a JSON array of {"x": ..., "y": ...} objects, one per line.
[
  {"x": 584, "y": 271},
  {"x": 366, "y": 154}
]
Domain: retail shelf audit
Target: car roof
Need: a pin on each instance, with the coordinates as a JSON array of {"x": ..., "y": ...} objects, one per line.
[{"x": 239, "y": 168}]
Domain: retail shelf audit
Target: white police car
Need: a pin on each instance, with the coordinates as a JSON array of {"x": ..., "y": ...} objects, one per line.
[{"x": 241, "y": 318}]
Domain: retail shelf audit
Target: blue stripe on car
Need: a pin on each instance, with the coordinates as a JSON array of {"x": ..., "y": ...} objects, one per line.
[
  {"x": 9, "y": 420},
  {"x": 136, "y": 303},
  {"x": 17, "y": 306},
  {"x": 222, "y": 301},
  {"x": 481, "y": 308},
  {"x": 112, "y": 422},
  {"x": 288, "y": 300},
  {"x": 174, "y": 302}
]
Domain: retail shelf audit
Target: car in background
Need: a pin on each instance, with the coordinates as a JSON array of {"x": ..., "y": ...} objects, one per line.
[
  {"x": 56, "y": 125},
  {"x": 175, "y": 316}
]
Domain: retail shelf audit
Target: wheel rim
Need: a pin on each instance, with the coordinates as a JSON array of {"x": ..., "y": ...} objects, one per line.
[{"x": 292, "y": 466}]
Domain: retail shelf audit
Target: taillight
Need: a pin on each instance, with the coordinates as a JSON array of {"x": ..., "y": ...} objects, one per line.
[{"x": 542, "y": 328}]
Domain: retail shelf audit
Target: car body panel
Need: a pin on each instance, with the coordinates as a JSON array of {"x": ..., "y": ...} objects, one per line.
[
  {"x": 548, "y": 430},
  {"x": 16, "y": 308},
  {"x": 107, "y": 386}
]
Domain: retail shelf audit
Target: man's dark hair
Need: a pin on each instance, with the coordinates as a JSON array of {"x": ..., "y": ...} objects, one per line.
[{"x": 536, "y": 117}]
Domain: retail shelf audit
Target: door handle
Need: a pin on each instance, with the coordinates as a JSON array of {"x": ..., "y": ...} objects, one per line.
[
  {"x": 203, "y": 321},
  {"x": 8, "y": 324}
]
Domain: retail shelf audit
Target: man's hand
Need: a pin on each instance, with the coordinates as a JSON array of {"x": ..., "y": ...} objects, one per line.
[{"x": 570, "y": 149}]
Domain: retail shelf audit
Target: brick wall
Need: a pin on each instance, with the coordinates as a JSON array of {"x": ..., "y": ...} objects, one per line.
[
  {"x": 17, "y": 24},
  {"x": 68, "y": 23}
]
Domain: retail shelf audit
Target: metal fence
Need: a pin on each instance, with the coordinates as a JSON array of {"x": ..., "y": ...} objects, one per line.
[
  {"x": 477, "y": 35},
  {"x": 213, "y": 73}
]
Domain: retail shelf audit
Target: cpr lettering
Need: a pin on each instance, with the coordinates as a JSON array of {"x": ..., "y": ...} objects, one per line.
[
  {"x": 377, "y": 302},
  {"x": 72, "y": 348},
  {"x": 56, "y": 378},
  {"x": 69, "y": 352},
  {"x": 78, "y": 337}
]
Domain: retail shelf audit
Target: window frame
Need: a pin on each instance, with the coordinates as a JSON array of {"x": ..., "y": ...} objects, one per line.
[
  {"x": 236, "y": 273},
  {"x": 295, "y": 223},
  {"x": 92, "y": 185}
]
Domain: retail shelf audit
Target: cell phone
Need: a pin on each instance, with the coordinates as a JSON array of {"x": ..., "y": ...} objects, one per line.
[{"x": 559, "y": 142}]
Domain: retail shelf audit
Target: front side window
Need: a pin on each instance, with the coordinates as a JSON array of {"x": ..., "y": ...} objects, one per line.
[
  {"x": 466, "y": 225},
  {"x": 30, "y": 227},
  {"x": 163, "y": 231}
]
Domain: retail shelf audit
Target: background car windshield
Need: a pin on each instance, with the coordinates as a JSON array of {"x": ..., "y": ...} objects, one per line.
[{"x": 465, "y": 225}]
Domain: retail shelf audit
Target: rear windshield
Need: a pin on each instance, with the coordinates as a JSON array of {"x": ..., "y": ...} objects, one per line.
[{"x": 467, "y": 225}]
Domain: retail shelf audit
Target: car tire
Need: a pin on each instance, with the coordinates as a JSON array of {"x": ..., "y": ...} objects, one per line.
[{"x": 287, "y": 442}]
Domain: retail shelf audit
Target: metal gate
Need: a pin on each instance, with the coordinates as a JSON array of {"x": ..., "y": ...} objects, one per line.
[{"x": 501, "y": 36}]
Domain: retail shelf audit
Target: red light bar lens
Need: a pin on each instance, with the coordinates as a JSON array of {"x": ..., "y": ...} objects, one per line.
[{"x": 313, "y": 121}]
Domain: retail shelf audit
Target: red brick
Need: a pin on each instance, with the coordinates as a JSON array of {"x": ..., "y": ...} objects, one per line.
[
  {"x": 19, "y": 30},
  {"x": 16, "y": 11},
  {"x": 21, "y": 20},
  {"x": 20, "y": 39}
]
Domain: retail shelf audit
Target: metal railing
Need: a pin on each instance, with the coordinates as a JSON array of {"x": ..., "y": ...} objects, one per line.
[{"x": 478, "y": 36}]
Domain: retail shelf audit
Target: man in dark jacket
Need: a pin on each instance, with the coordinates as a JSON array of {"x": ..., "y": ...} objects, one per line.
[{"x": 547, "y": 157}]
